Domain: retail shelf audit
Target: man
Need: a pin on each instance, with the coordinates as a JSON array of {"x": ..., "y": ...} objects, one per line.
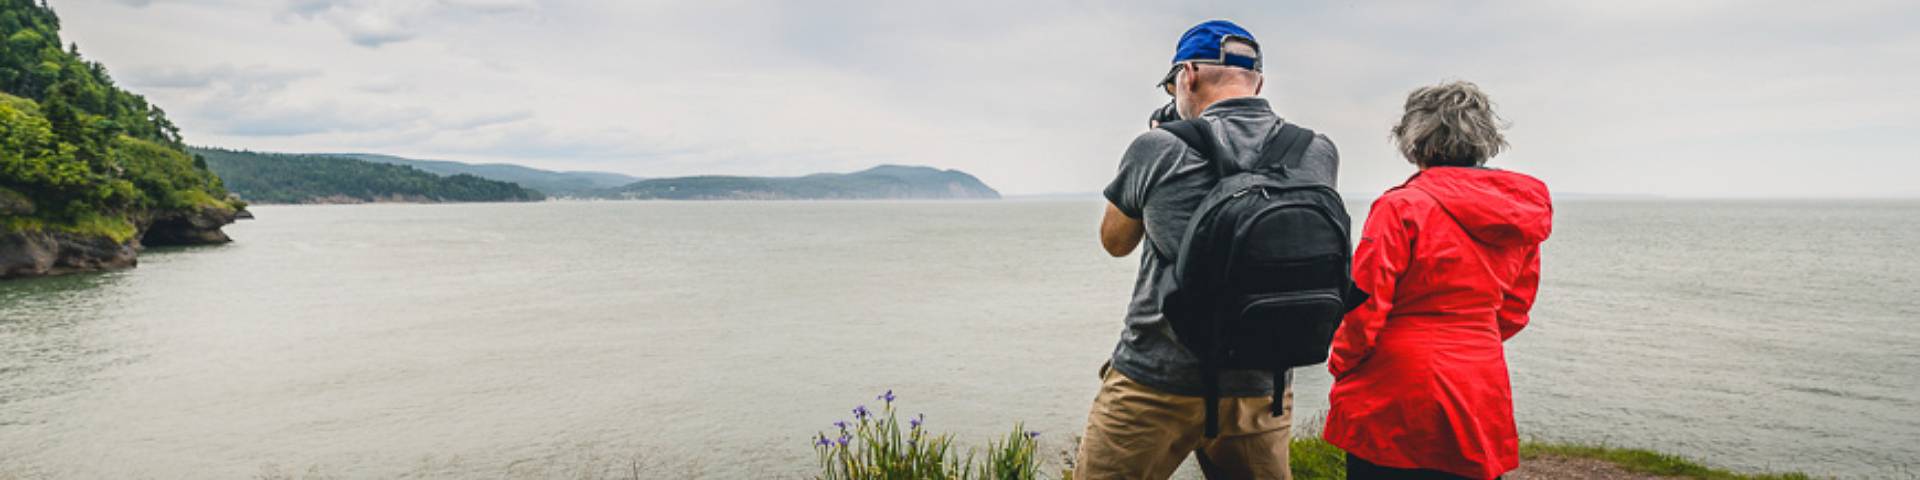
[{"x": 1149, "y": 414}]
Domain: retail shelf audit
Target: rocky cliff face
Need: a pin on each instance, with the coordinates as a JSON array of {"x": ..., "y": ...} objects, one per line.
[
  {"x": 33, "y": 254},
  {"x": 197, "y": 227},
  {"x": 42, "y": 252}
]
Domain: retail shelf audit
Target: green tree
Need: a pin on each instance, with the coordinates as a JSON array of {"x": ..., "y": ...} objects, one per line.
[{"x": 81, "y": 150}]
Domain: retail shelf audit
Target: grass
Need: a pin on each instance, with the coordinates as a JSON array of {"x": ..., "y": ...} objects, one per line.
[
  {"x": 1646, "y": 461},
  {"x": 119, "y": 229},
  {"x": 93, "y": 224},
  {"x": 875, "y": 446},
  {"x": 1315, "y": 459},
  {"x": 21, "y": 224},
  {"x": 197, "y": 199}
]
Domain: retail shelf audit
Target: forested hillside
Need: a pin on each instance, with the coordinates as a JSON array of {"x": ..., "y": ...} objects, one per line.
[
  {"x": 295, "y": 178},
  {"x": 551, "y": 183}
]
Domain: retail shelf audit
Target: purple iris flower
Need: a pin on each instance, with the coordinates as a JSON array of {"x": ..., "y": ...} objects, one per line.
[
  {"x": 917, "y": 420},
  {"x": 842, "y": 424},
  {"x": 861, "y": 412},
  {"x": 823, "y": 441},
  {"x": 844, "y": 438},
  {"x": 1033, "y": 434},
  {"x": 886, "y": 396}
]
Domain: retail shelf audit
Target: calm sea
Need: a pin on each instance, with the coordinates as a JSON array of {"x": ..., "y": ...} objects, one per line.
[{"x": 714, "y": 339}]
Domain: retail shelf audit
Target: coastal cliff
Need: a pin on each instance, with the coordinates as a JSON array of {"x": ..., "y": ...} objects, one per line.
[
  {"x": 199, "y": 226},
  {"x": 38, "y": 253},
  {"x": 89, "y": 173},
  {"x": 33, "y": 248}
]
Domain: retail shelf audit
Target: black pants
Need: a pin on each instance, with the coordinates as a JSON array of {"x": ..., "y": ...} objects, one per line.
[{"x": 1358, "y": 469}]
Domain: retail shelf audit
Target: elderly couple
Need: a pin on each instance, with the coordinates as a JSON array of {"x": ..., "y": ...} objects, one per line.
[{"x": 1448, "y": 262}]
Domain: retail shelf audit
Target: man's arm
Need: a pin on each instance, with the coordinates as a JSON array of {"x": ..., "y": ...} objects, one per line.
[
  {"x": 1119, "y": 233},
  {"x": 1149, "y": 156}
]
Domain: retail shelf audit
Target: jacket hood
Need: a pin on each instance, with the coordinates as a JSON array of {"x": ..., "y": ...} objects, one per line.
[{"x": 1494, "y": 206}]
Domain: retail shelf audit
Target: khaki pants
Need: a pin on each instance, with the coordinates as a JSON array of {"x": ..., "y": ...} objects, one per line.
[{"x": 1135, "y": 432}]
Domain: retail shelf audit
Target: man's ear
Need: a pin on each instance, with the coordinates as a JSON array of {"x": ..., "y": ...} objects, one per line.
[{"x": 1191, "y": 77}]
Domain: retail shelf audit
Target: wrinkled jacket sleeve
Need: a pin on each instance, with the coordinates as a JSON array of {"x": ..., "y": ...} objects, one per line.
[
  {"x": 1377, "y": 265},
  {"x": 1518, "y": 297}
]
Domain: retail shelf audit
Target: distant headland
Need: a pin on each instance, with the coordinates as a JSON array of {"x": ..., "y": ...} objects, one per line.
[
  {"x": 367, "y": 178},
  {"x": 882, "y": 182}
]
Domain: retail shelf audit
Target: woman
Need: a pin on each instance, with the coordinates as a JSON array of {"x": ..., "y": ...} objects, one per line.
[{"x": 1452, "y": 260}]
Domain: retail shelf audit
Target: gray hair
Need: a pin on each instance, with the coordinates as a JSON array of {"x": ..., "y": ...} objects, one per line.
[{"x": 1450, "y": 124}]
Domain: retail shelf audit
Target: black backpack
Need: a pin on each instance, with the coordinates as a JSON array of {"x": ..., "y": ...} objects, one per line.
[{"x": 1263, "y": 275}]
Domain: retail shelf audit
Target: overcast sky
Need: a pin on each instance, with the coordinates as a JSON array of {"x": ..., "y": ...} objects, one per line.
[{"x": 1695, "y": 98}]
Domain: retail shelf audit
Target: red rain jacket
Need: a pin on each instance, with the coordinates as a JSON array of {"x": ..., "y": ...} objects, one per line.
[{"x": 1452, "y": 259}]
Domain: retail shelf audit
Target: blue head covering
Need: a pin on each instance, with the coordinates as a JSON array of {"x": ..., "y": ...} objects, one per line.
[{"x": 1204, "y": 43}]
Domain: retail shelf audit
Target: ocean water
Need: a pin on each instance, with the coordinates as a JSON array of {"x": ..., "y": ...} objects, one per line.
[{"x": 713, "y": 340}]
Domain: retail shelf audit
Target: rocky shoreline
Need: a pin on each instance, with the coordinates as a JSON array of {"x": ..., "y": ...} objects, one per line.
[
  {"x": 43, "y": 253},
  {"x": 47, "y": 252}
]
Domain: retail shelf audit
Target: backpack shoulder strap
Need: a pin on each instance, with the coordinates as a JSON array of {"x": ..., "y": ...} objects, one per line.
[
  {"x": 1284, "y": 149},
  {"x": 1197, "y": 134}
]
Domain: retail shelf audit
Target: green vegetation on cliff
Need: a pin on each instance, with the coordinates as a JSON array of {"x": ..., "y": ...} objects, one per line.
[
  {"x": 296, "y": 178},
  {"x": 77, "y": 153}
]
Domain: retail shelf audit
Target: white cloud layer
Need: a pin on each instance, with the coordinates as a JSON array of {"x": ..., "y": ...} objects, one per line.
[{"x": 1711, "y": 98}]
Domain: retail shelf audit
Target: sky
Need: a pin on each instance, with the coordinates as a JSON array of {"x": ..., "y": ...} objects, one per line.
[{"x": 1703, "y": 98}]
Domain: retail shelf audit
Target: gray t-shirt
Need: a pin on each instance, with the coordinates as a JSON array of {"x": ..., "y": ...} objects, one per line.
[{"x": 1162, "y": 181}]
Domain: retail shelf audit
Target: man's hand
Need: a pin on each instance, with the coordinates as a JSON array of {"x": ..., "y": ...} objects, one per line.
[{"x": 1120, "y": 233}]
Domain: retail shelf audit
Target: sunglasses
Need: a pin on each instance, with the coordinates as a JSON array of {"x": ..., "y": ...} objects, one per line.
[{"x": 1172, "y": 74}]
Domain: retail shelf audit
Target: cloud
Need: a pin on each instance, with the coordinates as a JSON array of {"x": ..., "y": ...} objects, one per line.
[
  {"x": 325, "y": 117},
  {"x": 486, "y": 120},
  {"x": 252, "y": 78},
  {"x": 385, "y": 85},
  {"x": 280, "y": 102},
  {"x": 1621, "y": 97},
  {"x": 372, "y": 30},
  {"x": 374, "y": 23},
  {"x": 265, "y": 101},
  {"x": 491, "y": 6},
  {"x": 535, "y": 140}
]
